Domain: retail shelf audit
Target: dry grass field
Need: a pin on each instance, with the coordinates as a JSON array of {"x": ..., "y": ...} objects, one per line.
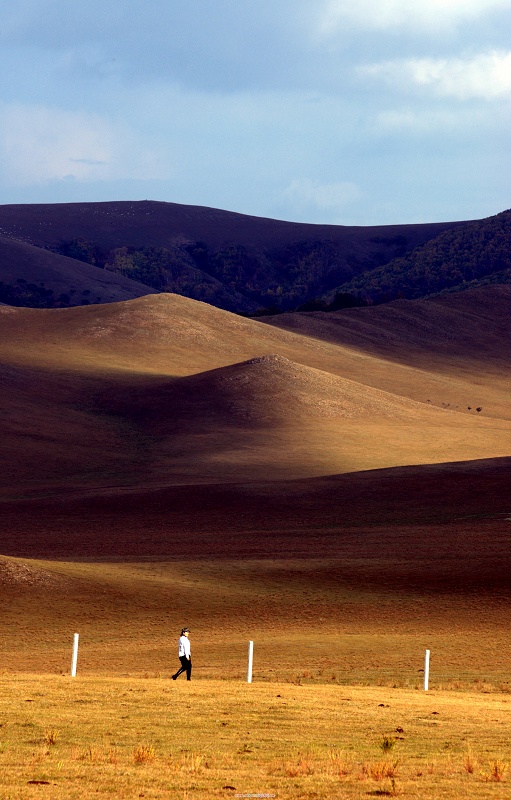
[
  {"x": 333, "y": 487},
  {"x": 82, "y": 738}
]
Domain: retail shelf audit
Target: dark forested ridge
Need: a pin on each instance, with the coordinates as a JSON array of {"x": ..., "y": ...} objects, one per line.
[
  {"x": 236, "y": 262},
  {"x": 474, "y": 254}
]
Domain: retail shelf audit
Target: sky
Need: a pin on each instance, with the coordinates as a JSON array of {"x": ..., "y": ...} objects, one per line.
[{"x": 351, "y": 112}]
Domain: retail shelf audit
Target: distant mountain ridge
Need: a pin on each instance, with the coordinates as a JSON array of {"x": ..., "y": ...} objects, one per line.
[
  {"x": 148, "y": 223},
  {"x": 234, "y": 261},
  {"x": 58, "y": 255}
]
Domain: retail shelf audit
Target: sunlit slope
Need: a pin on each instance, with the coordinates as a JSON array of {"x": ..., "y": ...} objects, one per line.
[
  {"x": 273, "y": 418},
  {"x": 172, "y": 335},
  {"x": 164, "y": 390},
  {"x": 456, "y": 335}
]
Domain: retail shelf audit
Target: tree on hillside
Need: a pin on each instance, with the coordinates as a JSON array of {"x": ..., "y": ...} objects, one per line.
[
  {"x": 81, "y": 250},
  {"x": 456, "y": 258}
]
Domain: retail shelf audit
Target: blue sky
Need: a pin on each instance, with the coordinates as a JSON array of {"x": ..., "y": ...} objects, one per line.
[{"x": 352, "y": 112}]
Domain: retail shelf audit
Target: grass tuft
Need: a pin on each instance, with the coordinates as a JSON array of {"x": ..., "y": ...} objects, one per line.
[
  {"x": 497, "y": 773},
  {"x": 195, "y": 763},
  {"x": 339, "y": 764},
  {"x": 303, "y": 766},
  {"x": 50, "y": 737},
  {"x": 380, "y": 770},
  {"x": 144, "y": 754},
  {"x": 91, "y": 753},
  {"x": 387, "y": 743},
  {"x": 470, "y": 762}
]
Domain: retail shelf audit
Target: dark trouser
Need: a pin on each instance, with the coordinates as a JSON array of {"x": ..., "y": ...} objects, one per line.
[{"x": 186, "y": 666}]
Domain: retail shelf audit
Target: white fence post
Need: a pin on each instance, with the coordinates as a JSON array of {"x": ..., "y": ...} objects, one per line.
[
  {"x": 74, "y": 660},
  {"x": 250, "y": 661},
  {"x": 426, "y": 671}
]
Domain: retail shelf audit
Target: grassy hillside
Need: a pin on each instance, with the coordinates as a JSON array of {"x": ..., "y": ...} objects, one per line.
[
  {"x": 236, "y": 262},
  {"x": 346, "y": 482},
  {"x": 37, "y": 278},
  {"x": 448, "y": 334},
  {"x": 383, "y": 564},
  {"x": 230, "y": 260},
  {"x": 477, "y": 253},
  {"x": 163, "y": 390}
]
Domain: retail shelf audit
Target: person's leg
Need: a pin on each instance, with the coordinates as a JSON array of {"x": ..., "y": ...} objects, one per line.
[
  {"x": 189, "y": 669},
  {"x": 183, "y": 668}
]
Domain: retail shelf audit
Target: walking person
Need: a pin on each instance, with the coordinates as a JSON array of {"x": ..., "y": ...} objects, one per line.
[{"x": 185, "y": 655}]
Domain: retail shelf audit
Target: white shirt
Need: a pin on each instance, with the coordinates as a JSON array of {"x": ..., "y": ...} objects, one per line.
[{"x": 184, "y": 647}]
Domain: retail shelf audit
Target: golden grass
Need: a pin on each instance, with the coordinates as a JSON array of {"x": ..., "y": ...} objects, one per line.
[
  {"x": 135, "y": 737},
  {"x": 373, "y": 622}
]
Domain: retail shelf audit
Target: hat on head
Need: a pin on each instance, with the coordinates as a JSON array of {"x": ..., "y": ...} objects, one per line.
[{"x": 185, "y": 630}]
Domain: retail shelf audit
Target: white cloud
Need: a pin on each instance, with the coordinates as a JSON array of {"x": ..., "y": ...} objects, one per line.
[
  {"x": 304, "y": 193},
  {"x": 38, "y": 143},
  {"x": 41, "y": 143},
  {"x": 484, "y": 76},
  {"x": 388, "y": 14}
]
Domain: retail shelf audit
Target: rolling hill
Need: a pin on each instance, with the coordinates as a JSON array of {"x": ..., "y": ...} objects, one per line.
[
  {"x": 156, "y": 224},
  {"x": 34, "y": 277},
  {"x": 236, "y": 262},
  {"x": 162, "y": 390},
  {"x": 166, "y": 461},
  {"x": 474, "y": 254}
]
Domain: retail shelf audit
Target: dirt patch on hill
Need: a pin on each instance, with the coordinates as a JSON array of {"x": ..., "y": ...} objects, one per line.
[{"x": 20, "y": 574}]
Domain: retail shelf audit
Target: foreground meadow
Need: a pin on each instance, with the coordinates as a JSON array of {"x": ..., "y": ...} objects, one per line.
[{"x": 149, "y": 737}]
